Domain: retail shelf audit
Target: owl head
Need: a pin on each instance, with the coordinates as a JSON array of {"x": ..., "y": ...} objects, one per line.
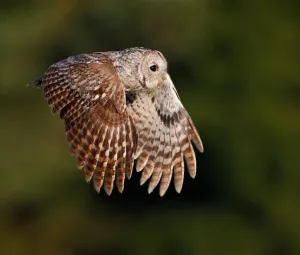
[
  {"x": 152, "y": 69},
  {"x": 141, "y": 68}
]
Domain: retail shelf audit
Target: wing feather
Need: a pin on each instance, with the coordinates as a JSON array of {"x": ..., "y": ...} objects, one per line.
[
  {"x": 121, "y": 159},
  {"x": 178, "y": 169},
  {"x": 112, "y": 162},
  {"x": 167, "y": 164},
  {"x": 86, "y": 92},
  {"x": 129, "y": 151},
  {"x": 93, "y": 155},
  {"x": 187, "y": 149},
  {"x": 98, "y": 175},
  {"x": 146, "y": 152},
  {"x": 153, "y": 147},
  {"x": 103, "y": 159},
  {"x": 165, "y": 135},
  {"x": 86, "y": 144},
  {"x": 157, "y": 172}
]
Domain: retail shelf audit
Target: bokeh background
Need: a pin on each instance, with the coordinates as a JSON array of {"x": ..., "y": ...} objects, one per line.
[{"x": 236, "y": 65}]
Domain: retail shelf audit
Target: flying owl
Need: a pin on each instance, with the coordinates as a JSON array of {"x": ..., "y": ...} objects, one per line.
[{"x": 118, "y": 107}]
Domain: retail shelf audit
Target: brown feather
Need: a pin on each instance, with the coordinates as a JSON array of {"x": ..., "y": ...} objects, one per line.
[
  {"x": 157, "y": 172},
  {"x": 88, "y": 95},
  {"x": 121, "y": 159}
]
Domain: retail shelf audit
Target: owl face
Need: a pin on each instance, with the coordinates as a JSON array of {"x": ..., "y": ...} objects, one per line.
[
  {"x": 152, "y": 69},
  {"x": 139, "y": 68}
]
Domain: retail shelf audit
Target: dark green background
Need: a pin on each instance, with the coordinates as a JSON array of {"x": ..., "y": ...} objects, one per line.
[{"x": 236, "y": 65}]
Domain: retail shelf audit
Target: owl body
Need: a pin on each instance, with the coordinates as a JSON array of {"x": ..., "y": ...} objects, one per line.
[{"x": 121, "y": 106}]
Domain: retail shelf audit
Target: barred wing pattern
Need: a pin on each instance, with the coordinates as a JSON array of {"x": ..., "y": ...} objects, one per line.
[
  {"x": 165, "y": 134},
  {"x": 86, "y": 92}
]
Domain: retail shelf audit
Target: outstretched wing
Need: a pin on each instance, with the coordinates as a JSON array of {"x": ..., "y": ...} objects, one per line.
[
  {"x": 165, "y": 134},
  {"x": 88, "y": 95}
]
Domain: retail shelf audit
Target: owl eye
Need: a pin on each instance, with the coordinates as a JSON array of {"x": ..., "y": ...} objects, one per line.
[{"x": 154, "y": 68}]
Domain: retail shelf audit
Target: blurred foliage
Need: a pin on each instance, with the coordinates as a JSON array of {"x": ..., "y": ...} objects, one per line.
[{"x": 236, "y": 66}]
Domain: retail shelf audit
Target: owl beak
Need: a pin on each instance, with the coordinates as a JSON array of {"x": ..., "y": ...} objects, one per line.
[
  {"x": 164, "y": 77},
  {"x": 165, "y": 80}
]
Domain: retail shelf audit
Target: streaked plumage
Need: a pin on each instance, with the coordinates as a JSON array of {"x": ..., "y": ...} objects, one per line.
[{"x": 118, "y": 107}]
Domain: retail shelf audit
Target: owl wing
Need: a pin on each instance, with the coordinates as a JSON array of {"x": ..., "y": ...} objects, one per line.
[
  {"x": 165, "y": 133},
  {"x": 88, "y": 95}
]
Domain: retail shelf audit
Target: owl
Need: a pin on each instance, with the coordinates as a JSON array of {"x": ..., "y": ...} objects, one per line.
[{"x": 119, "y": 107}]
